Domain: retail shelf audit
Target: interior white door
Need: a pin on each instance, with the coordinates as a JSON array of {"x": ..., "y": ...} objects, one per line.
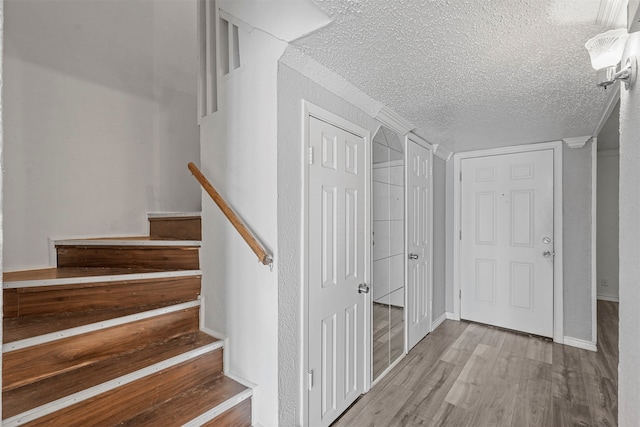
[
  {"x": 419, "y": 242},
  {"x": 336, "y": 271},
  {"x": 507, "y": 241}
]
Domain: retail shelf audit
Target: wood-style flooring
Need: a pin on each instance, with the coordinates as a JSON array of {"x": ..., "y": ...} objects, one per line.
[{"x": 466, "y": 374}]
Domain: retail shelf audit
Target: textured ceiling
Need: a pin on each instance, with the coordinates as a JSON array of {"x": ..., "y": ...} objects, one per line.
[{"x": 469, "y": 73}]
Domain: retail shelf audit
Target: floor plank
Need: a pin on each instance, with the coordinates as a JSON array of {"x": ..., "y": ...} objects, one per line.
[{"x": 467, "y": 374}]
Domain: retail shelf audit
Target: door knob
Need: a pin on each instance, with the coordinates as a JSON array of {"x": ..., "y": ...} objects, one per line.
[
  {"x": 413, "y": 256},
  {"x": 546, "y": 254},
  {"x": 363, "y": 288}
]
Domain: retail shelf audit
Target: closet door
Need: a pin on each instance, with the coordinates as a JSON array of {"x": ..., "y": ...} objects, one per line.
[{"x": 419, "y": 201}]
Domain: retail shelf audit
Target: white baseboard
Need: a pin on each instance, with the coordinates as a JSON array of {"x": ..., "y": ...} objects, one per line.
[
  {"x": 213, "y": 333},
  {"x": 241, "y": 380},
  {"x": 438, "y": 321},
  {"x": 226, "y": 354},
  {"x": 451, "y": 316},
  {"x": 583, "y": 344},
  {"x": 608, "y": 298}
]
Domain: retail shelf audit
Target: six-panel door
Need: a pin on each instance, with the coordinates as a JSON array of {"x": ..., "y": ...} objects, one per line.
[
  {"x": 336, "y": 268},
  {"x": 507, "y": 241}
]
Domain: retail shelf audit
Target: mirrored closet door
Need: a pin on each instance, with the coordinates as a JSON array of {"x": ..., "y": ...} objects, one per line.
[{"x": 388, "y": 277}]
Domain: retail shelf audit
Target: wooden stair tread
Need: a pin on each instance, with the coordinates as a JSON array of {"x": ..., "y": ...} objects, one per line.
[
  {"x": 72, "y": 272},
  {"x": 127, "y": 242},
  {"x": 189, "y": 405},
  {"x": 26, "y": 364},
  {"x": 129, "y": 400},
  {"x": 181, "y": 256},
  {"x": 173, "y": 215},
  {"x": 133, "y": 238},
  {"x": 97, "y": 293},
  {"x": 47, "y": 390},
  {"x": 19, "y": 328},
  {"x": 237, "y": 416},
  {"x": 111, "y": 336},
  {"x": 176, "y": 227}
]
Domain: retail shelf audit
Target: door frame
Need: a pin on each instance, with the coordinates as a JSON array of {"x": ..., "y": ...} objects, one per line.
[
  {"x": 558, "y": 305},
  {"x": 411, "y": 137},
  {"x": 311, "y": 110}
]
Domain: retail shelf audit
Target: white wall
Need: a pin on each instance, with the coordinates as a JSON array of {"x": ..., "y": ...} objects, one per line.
[
  {"x": 576, "y": 223},
  {"x": 607, "y": 219},
  {"x": 175, "y": 129},
  {"x": 449, "y": 229},
  {"x": 629, "y": 341},
  {"x": 239, "y": 157},
  {"x": 439, "y": 237},
  {"x": 1, "y": 172},
  {"x": 94, "y": 120}
]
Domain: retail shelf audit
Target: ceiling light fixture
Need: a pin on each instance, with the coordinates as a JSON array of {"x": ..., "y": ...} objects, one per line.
[{"x": 606, "y": 51}]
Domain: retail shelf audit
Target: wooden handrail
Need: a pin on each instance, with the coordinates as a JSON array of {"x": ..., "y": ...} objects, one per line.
[{"x": 248, "y": 237}]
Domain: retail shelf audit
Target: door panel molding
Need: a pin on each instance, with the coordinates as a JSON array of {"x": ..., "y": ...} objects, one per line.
[
  {"x": 310, "y": 110},
  {"x": 558, "y": 314},
  {"x": 412, "y": 138}
]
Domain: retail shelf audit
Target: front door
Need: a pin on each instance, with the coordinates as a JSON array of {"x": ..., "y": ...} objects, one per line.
[
  {"x": 419, "y": 242},
  {"x": 507, "y": 241},
  {"x": 336, "y": 230}
]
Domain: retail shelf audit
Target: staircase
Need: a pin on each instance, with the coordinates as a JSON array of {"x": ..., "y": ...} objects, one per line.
[{"x": 112, "y": 337}]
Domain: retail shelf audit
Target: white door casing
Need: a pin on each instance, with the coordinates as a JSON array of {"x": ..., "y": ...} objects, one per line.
[
  {"x": 419, "y": 241},
  {"x": 507, "y": 241},
  {"x": 337, "y": 264}
]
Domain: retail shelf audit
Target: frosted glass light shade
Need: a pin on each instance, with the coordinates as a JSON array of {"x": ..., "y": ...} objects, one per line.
[{"x": 606, "y": 49}]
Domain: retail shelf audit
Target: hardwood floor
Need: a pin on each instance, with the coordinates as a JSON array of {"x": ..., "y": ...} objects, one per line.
[{"x": 466, "y": 374}]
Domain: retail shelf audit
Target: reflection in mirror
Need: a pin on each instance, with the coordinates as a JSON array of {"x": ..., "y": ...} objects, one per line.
[{"x": 388, "y": 249}]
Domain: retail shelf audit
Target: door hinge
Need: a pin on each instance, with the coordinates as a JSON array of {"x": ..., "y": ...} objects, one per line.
[
  {"x": 460, "y": 175},
  {"x": 310, "y": 155},
  {"x": 310, "y": 379},
  {"x": 460, "y": 294},
  {"x": 460, "y": 234}
]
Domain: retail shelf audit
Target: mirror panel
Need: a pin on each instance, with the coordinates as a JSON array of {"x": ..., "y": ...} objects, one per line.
[{"x": 388, "y": 249}]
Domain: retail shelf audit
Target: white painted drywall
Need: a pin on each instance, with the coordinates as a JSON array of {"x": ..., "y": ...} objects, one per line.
[
  {"x": 293, "y": 87},
  {"x": 629, "y": 341},
  {"x": 576, "y": 192},
  {"x": 239, "y": 156},
  {"x": 175, "y": 129},
  {"x": 439, "y": 237},
  {"x": 1, "y": 177},
  {"x": 607, "y": 221},
  {"x": 283, "y": 19},
  {"x": 449, "y": 229},
  {"x": 99, "y": 106}
]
